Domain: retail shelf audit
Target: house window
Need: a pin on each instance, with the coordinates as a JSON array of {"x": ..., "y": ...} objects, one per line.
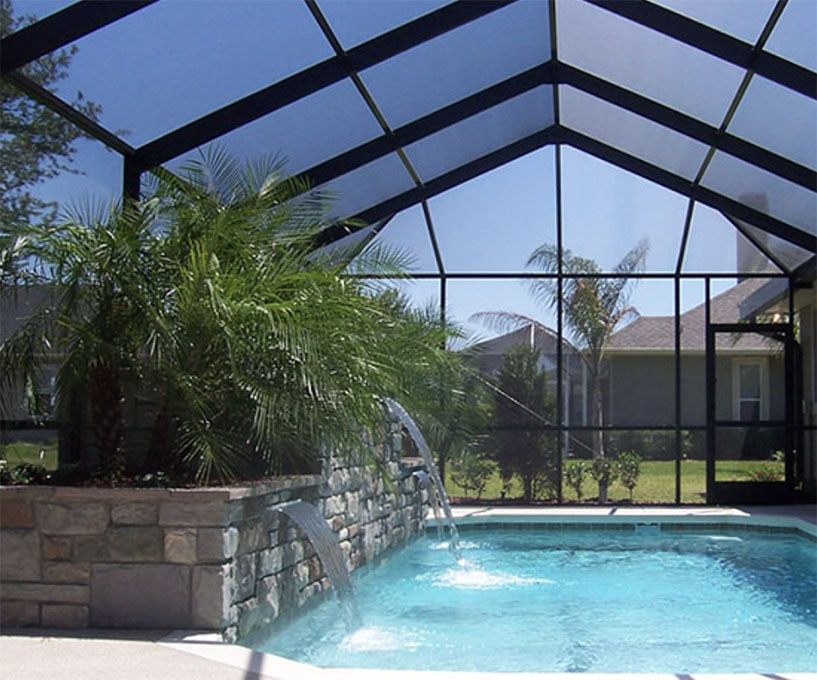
[{"x": 750, "y": 388}]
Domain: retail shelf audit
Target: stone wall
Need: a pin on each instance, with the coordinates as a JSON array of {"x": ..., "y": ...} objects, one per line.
[{"x": 216, "y": 559}]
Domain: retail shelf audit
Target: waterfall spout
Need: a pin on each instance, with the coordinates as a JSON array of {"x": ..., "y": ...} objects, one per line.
[
  {"x": 326, "y": 545},
  {"x": 422, "y": 447}
]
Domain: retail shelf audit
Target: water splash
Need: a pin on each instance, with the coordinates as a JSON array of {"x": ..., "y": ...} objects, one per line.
[
  {"x": 480, "y": 579},
  {"x": 327, "y": 546},
  {"x": 425, "y": 452}
]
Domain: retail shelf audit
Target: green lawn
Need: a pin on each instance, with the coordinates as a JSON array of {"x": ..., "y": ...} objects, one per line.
[
  {"x": 28, "y": 452},
  {"x": 656, "y": 484}
]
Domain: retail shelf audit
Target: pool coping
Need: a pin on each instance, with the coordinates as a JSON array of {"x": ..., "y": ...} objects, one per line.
[{"x": 802, "y": 519}]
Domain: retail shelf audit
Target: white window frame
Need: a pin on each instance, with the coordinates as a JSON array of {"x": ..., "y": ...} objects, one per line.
[{"x": 763, "y": 363}]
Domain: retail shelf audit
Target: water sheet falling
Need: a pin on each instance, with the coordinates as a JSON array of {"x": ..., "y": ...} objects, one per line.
[
  {"x": 325, "y": 542},
  {"x": 422, "y": 447}
]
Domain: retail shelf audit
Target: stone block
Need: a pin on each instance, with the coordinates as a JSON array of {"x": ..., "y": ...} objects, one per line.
[
  {"x": 140, "y": 596},
  {"x": 245, "y": 576},
  {"x": 56, "y": 548},
  {"x": 135, "y": 514},
  {"x": 64, "y": 616},
  {"x": 270, "y": 561},
  {"x": 19, "y": 614},
  {"x": 135, "y": 544},
  {"x": 72, "y": 518},
  {"x": 44, "y": 592},
  {"x": 252, "y": 538},
  {"x": 19, "y": 555},
  {"x": 193, "y": 514},
  {"x": 338, "y": 481},
  {"x": 216, "y": 545},
  {"x": 66, "y": 572},
  {"x": 16, "y": 514},
  {"x": 90, "y": 549},
  {"x": 211, "y": 602},
  {"x": 180, "y": 546}
]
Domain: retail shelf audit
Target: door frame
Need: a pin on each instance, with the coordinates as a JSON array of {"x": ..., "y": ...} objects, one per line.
[{"x": 755, "y": 493}]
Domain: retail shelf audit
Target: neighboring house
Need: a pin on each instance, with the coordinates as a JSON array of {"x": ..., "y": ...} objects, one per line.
[
  {"x": 487, "y": 356},
  {"x": 641, "y": 368}
]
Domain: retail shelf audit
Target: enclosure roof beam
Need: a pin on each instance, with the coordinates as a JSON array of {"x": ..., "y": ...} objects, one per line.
[
  {"x": 461, "y": 174},
  {"x": 429, "y": 124},
  {"x": 314, "y": 78},
  {"x": 714, "y": 42},
  {"x": 69, "y": 113},
  {"x": 686, "y": 188},
  {"x": 686, "y": 125},
  {"x": 62, "y": 28}
]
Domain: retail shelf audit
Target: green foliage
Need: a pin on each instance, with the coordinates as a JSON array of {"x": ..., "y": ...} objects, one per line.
[
  {"x": 766, "y": 472},
  {"x": 575, "y": 474},
  {"x": 604, "y": 471},
  {"x": 521, "y": 406},
  {"x": 471, "y": 472},
  {"x": 254, "y": 350},
  {"x": 35, "y": 143},
  {"x": 629, "y": 467}
]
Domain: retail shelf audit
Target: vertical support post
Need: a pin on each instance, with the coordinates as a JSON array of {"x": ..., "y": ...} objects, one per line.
[
  {"x": 131, "y": 179},
  {"x": 794, "y": 400},
  {"x": 678, "y": 392},
  {"x": 560, "y": 401},
  {"x": 710, "y": 397}
]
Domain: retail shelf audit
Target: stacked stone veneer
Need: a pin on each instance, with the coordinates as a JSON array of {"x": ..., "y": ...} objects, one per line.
[{"x": 218, "y": 559}]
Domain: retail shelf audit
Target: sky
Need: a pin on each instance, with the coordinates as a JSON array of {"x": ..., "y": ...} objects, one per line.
[{"x": 162, "y": 80}]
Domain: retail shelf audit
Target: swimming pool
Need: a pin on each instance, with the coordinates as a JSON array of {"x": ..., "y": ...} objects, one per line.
[{"x": 615, "y": 600}]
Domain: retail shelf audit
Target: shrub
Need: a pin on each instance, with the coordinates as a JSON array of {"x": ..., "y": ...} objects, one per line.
[
  {"x": 574, "y": 476},
  {"x": 766, "y": 473},
  {"x": 604, "y": 471},
  {"x": 629, "y": 467},
  {"x": 471, "y": 471}
]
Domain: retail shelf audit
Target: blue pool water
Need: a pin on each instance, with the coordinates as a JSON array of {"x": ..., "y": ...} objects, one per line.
[{"x": 615, "y": 601}]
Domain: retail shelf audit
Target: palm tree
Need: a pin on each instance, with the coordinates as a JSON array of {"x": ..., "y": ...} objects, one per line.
[
  {"x": 593, "y": 307},
  {"x": 254, "y": 349}
]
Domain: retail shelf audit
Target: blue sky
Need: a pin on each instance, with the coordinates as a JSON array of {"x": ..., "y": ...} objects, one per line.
[{"x": 151, "y": 85}]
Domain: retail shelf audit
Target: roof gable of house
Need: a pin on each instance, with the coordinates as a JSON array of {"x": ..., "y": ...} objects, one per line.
[{"x": 657, "y": 333}]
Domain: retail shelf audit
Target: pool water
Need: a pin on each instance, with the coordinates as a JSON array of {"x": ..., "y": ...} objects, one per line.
[{"x": 609, "y": 601}]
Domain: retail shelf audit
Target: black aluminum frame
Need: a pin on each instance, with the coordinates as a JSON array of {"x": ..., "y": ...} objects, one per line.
[{"x": 86, "y": 16}]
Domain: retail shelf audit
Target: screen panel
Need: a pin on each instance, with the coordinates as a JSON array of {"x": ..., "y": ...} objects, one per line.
[
  {"x": 607, "y": 211},
  {"x": 768, "y": 193},
  {"x": 645, "y": 61},
  {"x": 367, "y": 186},
  {"x": 493, "y": 222},
  {"x": 630, "y": 132},
  {"x": 715, "y": 245},
  {"x": 795, "y": 35},
  {"x": 301, "y": 133},
  {"x": 407, "y": 232},
  {"x": 761, "y": 115},
  {"x": 483, "y": 133},
  {"x": 744, "y": 23},
  {"x": 359, "y": 21},
  {"x": 460, "y": 62},
  {"x": 172, "y": 62}
]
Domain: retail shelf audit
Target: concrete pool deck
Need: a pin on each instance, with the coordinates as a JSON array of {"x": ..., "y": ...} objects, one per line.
[{"x": 32, "y": 654}]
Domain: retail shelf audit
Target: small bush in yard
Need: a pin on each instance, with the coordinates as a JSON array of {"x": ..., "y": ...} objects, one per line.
[{"x": 629, "y": 467}]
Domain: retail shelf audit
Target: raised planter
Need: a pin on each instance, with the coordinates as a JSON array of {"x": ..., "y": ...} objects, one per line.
[{"x": 214, "y": 558}]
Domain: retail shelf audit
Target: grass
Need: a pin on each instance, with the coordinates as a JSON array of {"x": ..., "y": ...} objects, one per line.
[
  {"x": 37, "y": 453},
  {"x": 656, "y": 484}
]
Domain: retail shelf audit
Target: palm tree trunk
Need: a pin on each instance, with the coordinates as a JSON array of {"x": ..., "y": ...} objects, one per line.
[
  {"x": 596, "y": 421},
  {"x": 107, "y": 416}
]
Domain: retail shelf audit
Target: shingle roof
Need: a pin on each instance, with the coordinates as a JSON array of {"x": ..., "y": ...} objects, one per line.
[{"x": 652, "y": 333}]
